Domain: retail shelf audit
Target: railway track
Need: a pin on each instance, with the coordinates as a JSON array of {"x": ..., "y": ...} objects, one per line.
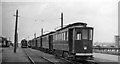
[
  {"x": 32, "y": 61},
  {"x": 79, "y": 62},
  {"x": 65, "y": 61},
  {"x": 35, "y": 61},
  {"x": 76, "y": 62}
]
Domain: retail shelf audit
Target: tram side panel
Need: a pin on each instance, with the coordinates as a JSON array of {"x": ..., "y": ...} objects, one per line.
[
  {"x": 38, "y": 42},
  {"x": 60, "y": 42},
  {"x": 45, "y": 43}
]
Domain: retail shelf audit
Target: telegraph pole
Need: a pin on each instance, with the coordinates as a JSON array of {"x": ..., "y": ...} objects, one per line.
[
  {"x": 41, "y": 31},
  {"x": 62, "y": 20},
  {"x": 34, "y": 35},
  {"x": 15, "y": 36}
]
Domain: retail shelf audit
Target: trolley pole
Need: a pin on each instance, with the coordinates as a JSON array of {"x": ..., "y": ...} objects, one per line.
[
  {"x": 62, "y": 20},
  {"x": 41, "y": 31},
  {"x": 34, "y": 35},
  {"x": 15, "y": 36}
]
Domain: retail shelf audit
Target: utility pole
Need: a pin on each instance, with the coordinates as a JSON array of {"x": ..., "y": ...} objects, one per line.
[
  {"x": 34, "y": 35},
  {"x": 15, "y": 36},
  {"x": 41, "y": 31},
  {"x": 62, "y": 20}
]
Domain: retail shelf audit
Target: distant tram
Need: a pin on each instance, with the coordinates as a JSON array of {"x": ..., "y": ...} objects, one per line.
[
  {"x": 24, "y": 43},
  {"x": 73, "y": 41}
]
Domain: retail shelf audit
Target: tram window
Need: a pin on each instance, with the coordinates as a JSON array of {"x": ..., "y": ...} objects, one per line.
[
  {"x": 56, "y": 36},
  {"x": 64, "y": 35},
  {"x": 53, "y": 38},
  {"x": 78, "y": 37},
  {"x": 67, "y": 35},
  {"x": 90, "y": 35},
  {"x": 84, "y": 34}
]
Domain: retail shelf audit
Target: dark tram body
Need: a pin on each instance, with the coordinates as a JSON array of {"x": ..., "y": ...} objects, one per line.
[
  {"x": 4, "y": 42},
  {"x": 24, "y": 43},
  {"x": 73, "y": 41}
]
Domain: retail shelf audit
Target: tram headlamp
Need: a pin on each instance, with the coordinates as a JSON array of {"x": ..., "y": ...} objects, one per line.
[{"x": 85, "y": 47}]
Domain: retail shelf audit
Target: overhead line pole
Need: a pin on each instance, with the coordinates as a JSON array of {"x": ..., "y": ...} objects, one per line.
[
  {"x": 15, "y": 36},
  {"x": 62, "y": 20},
  {"x": 41, "y": 31}
]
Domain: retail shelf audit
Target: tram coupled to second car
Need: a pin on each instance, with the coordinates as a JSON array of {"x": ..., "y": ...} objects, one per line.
[
  {"x": 75, "y": 40},
  {"x": 24, "y": 43}
]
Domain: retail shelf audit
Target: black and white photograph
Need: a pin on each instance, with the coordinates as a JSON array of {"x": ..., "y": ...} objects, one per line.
[{"x": 59, "y": 32}]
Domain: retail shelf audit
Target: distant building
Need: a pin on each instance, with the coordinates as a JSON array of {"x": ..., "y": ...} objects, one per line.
[
  {"x": 104, "y": 44},
  {"x": 3, "y": 42},
  {"x": 117, "y": 41}
]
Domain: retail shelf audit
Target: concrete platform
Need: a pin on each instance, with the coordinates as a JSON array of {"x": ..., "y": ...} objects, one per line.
[
  {"x": 107, "y": 57},
  {"x": 8, "y": 56}
]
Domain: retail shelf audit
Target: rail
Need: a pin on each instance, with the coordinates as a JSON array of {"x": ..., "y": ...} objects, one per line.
[{"x": 32, "y": 62}]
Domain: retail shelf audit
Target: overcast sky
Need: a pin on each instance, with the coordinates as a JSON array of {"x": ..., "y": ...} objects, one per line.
[{"x": 100, "y": 14}]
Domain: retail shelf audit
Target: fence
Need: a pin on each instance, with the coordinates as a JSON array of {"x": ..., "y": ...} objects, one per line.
[{"x": 114, "y": 51}]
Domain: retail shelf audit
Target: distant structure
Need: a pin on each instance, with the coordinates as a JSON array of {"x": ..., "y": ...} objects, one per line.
[
  {"x": 119, "y": 17},
  {"x": 4, "y": 42},
  {"x": 104, "y": 44},
  {"x": 117, "y": 41}
]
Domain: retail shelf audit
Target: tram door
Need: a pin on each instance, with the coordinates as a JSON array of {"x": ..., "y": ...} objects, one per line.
[
  {"x": 70, "y": 40},
  {"x": 50, "y": 42}
]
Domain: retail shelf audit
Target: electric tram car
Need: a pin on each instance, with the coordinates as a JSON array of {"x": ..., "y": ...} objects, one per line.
[
  {"x": 24, "y": 43},
  {"x": 73, "y": 41}
]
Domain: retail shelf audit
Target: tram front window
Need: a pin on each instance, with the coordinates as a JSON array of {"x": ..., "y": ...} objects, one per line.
[
  {"x": 90, "y": 34},
  {"x": 84, "y": 34},
  {"x": 78, "y": 37}
]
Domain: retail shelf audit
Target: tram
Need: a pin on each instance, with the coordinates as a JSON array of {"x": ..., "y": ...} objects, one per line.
[
  {"x": 72, "y": 41},
  {"x": 24, "y": 43}
]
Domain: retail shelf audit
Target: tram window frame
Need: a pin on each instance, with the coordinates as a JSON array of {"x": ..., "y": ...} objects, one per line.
[
  {"x": 90, "y": 34},
  {"x": 78, "y": 35},
  {"x": 53, "y": 38},
  {"x": 83, "y": 34},
  {"x": 66, "y": 35},
  {"x": 56, "y": 37}
]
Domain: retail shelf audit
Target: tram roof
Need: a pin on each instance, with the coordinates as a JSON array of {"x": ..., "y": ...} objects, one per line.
[
  {"x": 48, "y": 33},
  {"x": 73, "y": 24}
]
